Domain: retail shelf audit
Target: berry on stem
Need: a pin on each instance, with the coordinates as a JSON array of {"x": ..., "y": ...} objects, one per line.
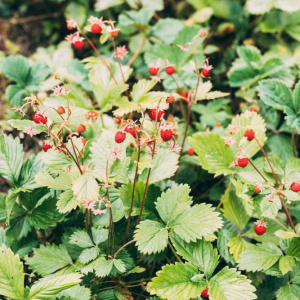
[
  {"x": 153, "y": 70},
  {"x": 249, "y": 134},
  {"x": 46, "y": 147},
  {"x": 60, "y": 110},
  {"x": 39, "y": 118},
  {"x": 170, "y": 99},
  {"x": 190, "y": 151},
  {"x": 243, "y": 162},
  {"x": 80, "y": 128},
  {"x": 120, "y": 137},
  {"x": 205, "y": 72},
  {"x": 260, "y": 227},
  {"x": 257, "y": 188},
  {"x": 166, "y": 134},
  {"x": 170, "y": 70},
  {"x": 204, "y": 293},
  {"x": 295, "y": 187},
  {"x": 130, "y": 130},
  {"x": 96, "y": 28},
  {"x": 152, "y": 114},
  {"x": 79, "y": 45},
  {"x": 83, "y": 140},
  {"x": 114, "y": 33}
]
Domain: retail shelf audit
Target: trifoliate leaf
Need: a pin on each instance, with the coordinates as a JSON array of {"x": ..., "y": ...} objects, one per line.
[
  {"x": 81, "y": 239},
  {"x": 229, "y": 284},
  {"x": 151, "y": 237},
  {"x": 88, "y": 254},
  {"x": 48, "y": 287},
  {"x": 237, "y": 245},
  {"x": 56, "y": 160},
  {"x": 11, "y": 274},
  {"x": 103, "y": 267},
  {"x": 259, "y": 258},
  {"x": 211, "y": 151},
  {"x": 200, "y": 254},
  {"x": 48, "y": 259},
  {"x": 175, "y": 282}
]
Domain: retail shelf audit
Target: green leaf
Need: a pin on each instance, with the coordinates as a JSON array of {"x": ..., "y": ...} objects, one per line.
[
  {"x": 77, "y": 292},
  {"x": 259, "y": 258},
  {"x": 21, "y": 124},
  {"x": 229, "y": 284},
  {"x": 11, "y": 158},
  {"x": 11, "y": 274},
  {"x": 48, "y": 287},
  {"x": 288, "y": 292},
  {"x": 10, "y": 64},
  {"x": 76, "y": 11},
  {"x": 56, "y": 160},
  {"x": 275, "y": 93},
  {"x": 15, "y": 94},
  {"x": 286, "y": 264},
  {"x": 61, "y": 182},
  {"x": 282, "y": 234},
  {"x": 151, "y": 237},
  {"x": 250, "y": 55},
  {"x": 86, "y": 187},
  {"x": 103, "y": 267},
  {"x": 67, "y": 202},
  {"x": 81, "y": 239},
  {"x": 200, "y": 254},
  {"x": 88, "y": 254},
  {"x": 294, "y": 248},
  {"x": 237, "y": 245},
  {"x": 175, "y": 282},
  {"x": 48, "y": 259},
  {"x": 196, "y": 222},
  {"x": 211, "y": 151},
  {"x": 296, "y": 97},
  {"x": 173, "y": 202},
  {"x": 234, "y": 211}
]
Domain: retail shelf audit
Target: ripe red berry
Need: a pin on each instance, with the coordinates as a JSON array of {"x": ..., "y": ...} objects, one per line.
[
  {"x": 190, "y": 151},
  {"x": 243, "y": 162},
  {"x": 204, "y": 293},
  {"x": 260, "y": 228},
  {"x": 96, "y": 28},
  {"x": 80, "y": 128},
  {"x": 70, "y": 27},
  {"x": 166, "y": 134},
  {"x": 114, "y": 33},
  {"x": 38, "y": 118},
  {"x": 153, "y": 71},
  {"x": 295, "y": 187},
  {"x": 120, "y": 137},
  {"x": 257, "y": 189},
  {"x": 153, "y": 112},
  {"x": 130, "y": 130},
  {"x": 249, "y": 134},
  {"x": 170, "y": 99},
  {"x": 83, "y": 140},
  {"x": 79, "y": 45},
  {"x": 205, "y": 72},
  {"x": 60, "y": 110},
  {"x": 170, "y": 70},
  {"x": 46, "y": 147},
  {"x": 253, "y": 109}
]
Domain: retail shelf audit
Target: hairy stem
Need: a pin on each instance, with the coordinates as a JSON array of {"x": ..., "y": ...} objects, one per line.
[
  {"x": 174, "y": 251},
  {"x": 226, "y": 193},
  {"x": 128, "y": 243},
  {"x": 137, "y": 52}
]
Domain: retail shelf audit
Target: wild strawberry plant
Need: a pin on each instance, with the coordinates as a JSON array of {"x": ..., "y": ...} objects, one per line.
[{"x": 105, "y": 211}]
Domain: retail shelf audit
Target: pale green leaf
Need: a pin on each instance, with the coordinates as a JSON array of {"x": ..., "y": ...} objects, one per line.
[
  {"x": 285, "y": 235},
  {"x": 61, "y": 182},
  {"x": 48, "y": 259},
  {"x": 103, "y": 267},
  {"x": 21, "y": 124},
  {"x": 288, "y": 292},
  {"x": 86, "y": 187},
  {"x": 141, "y": 88},
  {"x": 11, "y": 274},
  {"x": 77, "y": 292},
  {"x": 286, "y": 264},
  {"x": 229, "y": 284},
  {"x": 81, "y": 239},
  {"x": 211, "y": 151},
  {"x": 237, "y": 245},
  {"x": 175, "y": 282},
  {"x": 56, "y": 160},
  {"x": 151, "y": 237},
  {"x": 259, "y": 257},
  {"x": 67, "y": 202},
  {"x": 48, "y": 287}
]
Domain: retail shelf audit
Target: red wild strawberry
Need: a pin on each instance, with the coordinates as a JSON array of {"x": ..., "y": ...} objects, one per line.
[
  {"x": 257, "y": 188},
  {"x": 204, "y": 293},
  {"x": 170, "y": 70},
  {"x": 114, "y": 33},
  {"x": 153, "y": 71},
  {"x": 120, "y": 137},
  {"x": 132, "y": 145},
  {"x": 170, "y": 99},
  {"x": 46, "y": 147},
  {"x": 79, "y": 45},
  {"x": 96, "y": 28},
  {"x": 253, "y": 109},
  {"x": 243, "y": 162},
  {"x": 190, "y": 151},
  {"x": 83, "y": 140},
  {"x": 38, "y": 118},
  {"x": 80, "y": 128},
  {"x": 295, "y": 187},
  {"x": 166, "y": 134},
  {"x": 260, "y": 227},
  {"x": 205, "y": 72},
  {"x": 249, "y": 134},
  {"x": 130, "y": 130},
  {"x": 60, "y": 110},
  {"x": 69, "y": 27},
  {"x": 218, "y": 125},
  {"x": 153, "y": 112}
]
